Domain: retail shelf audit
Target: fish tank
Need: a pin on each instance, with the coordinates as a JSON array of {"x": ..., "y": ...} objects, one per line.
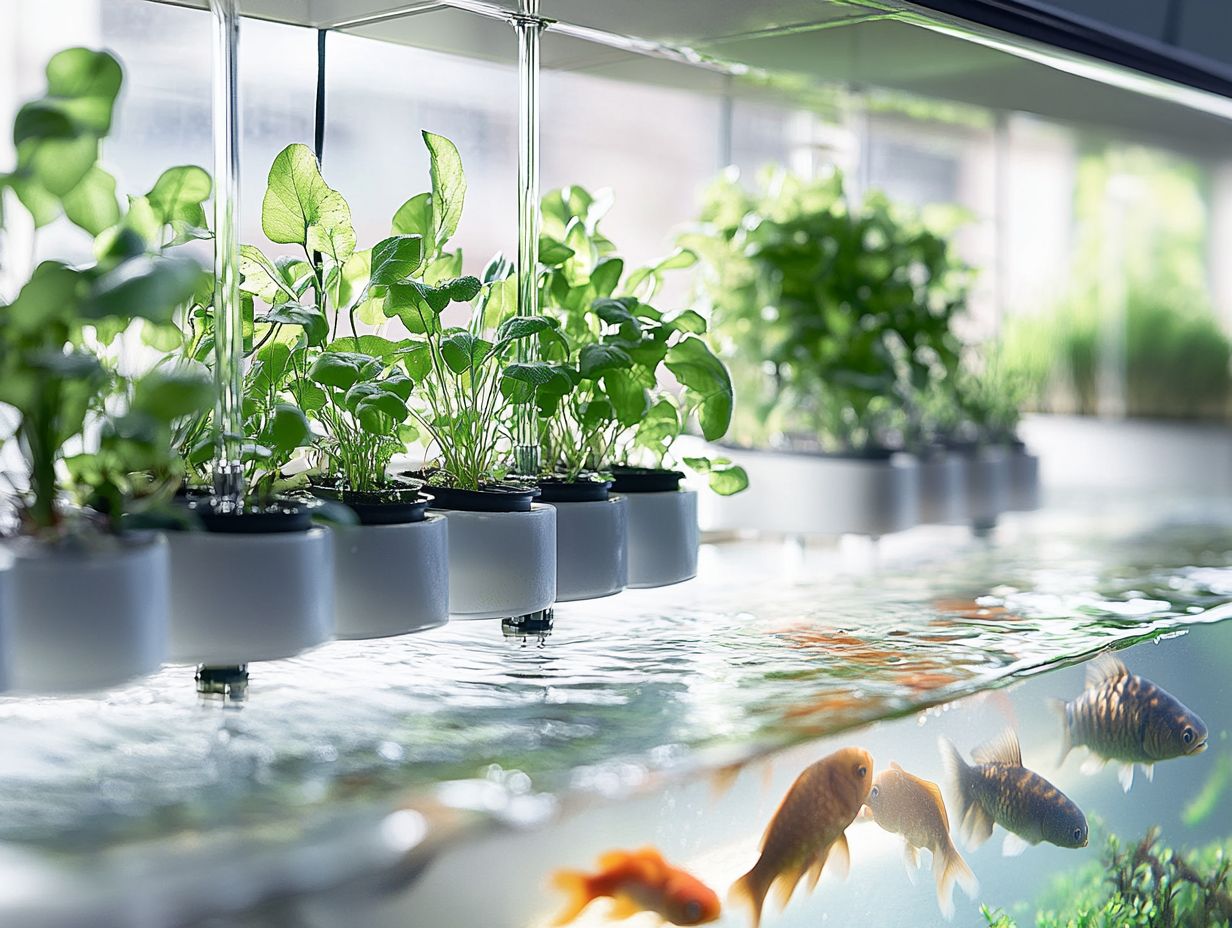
[
  {"x": 647, "y": 754},
  {"x": 923, "y": 620}
]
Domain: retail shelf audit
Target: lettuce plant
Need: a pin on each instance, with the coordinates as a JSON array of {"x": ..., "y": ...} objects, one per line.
[
  {"x": 53, "y": 370},
  {"x": 618, "y": 351}
]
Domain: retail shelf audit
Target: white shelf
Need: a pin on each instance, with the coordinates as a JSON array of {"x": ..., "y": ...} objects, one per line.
[{"x": 697, "y": 44}]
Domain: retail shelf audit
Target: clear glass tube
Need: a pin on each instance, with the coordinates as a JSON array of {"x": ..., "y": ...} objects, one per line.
[
  {"x": 528, "y": 27},
  {"x": 228, "y": 322}
]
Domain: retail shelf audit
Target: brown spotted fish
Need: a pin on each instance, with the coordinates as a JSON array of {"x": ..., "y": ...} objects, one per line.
[
  {"x": 1122, "y": 717},
  {"x": 906, "y": 805},
  {"x": 808, "y": 829},
  {"x": 998, "y": 789}
]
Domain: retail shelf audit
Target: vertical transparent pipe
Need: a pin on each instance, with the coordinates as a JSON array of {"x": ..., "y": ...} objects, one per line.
[
  {"x": 228, "y": 321},
  {"x": 528, "y": 27}
]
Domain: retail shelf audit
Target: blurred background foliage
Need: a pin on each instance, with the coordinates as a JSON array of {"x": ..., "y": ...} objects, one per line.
[{"x": 1136, "y": 333}]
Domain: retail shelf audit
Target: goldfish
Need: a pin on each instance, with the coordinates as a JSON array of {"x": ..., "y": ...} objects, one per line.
[
  {"x": 907, "y": 805},
  {"x": 639, "y": 881},
  {"x": 808, "y": 829},
  {"x": 997, "y": 788},
  {"x": 1122, "y": 717}
]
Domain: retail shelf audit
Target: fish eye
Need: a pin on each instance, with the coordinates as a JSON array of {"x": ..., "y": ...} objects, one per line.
[
  {"x": 692, "y": 910},
  {"x": 1187, "y": 735},
  {"x": 861, "y": 771},
  {"x": 1077, "y": 834},
  {"x": 872, "y": 793}
]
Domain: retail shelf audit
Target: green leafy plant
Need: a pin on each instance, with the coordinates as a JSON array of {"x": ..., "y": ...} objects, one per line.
[
  {"x": 303, "y": 364},
  {"x": 1143, "y": 885},
  {"x": 617, "y": 352},
  {"x": 321, "y": 351},
  {"x": 469, "y": 377},
  {"x": 53, "y": 372},
  {"x": 833, "y": 315}
]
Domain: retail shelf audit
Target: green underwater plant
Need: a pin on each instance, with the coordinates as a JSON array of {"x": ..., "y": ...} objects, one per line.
[{"x": 1143, "y": 885}]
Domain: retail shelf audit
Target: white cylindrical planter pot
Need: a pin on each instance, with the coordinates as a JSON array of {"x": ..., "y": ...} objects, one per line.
[
  {"x": 501, "y": 564},
  {"x": 816, "y": 494},
  {"x": 391, "y": 579},
  {"x": 943, "y": 488},
  {"x": 592, "y": 559},
  {"x": 663, "y": 529},
  {"x": 988, "y": 485},
  {"x": 238, "y": 597},
  {"x": 83, "y": 620},
  {"x": 1024, "y": 489}
]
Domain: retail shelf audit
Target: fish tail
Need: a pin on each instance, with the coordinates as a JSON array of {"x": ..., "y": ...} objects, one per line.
[
  {"x": 1061, "y": 710},
  {"x": 949, "y": 868},
  {"x": 974, "y": 823},
  {"x": 750, "y": 890},
  {"x": 576, "y": 887}
]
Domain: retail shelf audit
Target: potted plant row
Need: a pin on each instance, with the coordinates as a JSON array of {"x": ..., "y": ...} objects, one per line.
[
  {"x": 629, "y": 380},
  {"x": 859, "y": 410},
  {"x": 348, "y": 356},
  {"x": 834, "y": 316},
  {"x": 86, "y": 600}
]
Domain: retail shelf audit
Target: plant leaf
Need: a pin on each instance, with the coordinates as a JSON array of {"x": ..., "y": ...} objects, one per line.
[
  {"x": 704, "y": 375},
  {"x": 448, "y": 187},
  {"x": 301, "y": 209},
  {"x": 395, "y": 258}
]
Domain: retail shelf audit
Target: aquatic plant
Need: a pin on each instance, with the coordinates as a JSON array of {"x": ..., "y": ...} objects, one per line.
[
  {"x": 54, "y": 370},
  {"x": 639, "y": 375},
  {"x": 833, "y": 314},
  {"x": 1144, "y": 885}
]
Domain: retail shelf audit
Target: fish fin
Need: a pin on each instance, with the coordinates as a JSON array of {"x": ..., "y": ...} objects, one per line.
[
  {"x": 1125, "y": 776},
  {"x": 948, "y": 868},
  {"x": 610, "y": 859},
  {"x": 576, "y": 887},
  {"x": 784, "y": 885},
  {"x": 1104, "y": 669},
  {"x": 839, "y": 857},
  {"x": 814, "y": 873},
  {"x": 934, "y": 792},
  {"x": 1061, "y": 710},
  {"x": 1092, "y": 764},
  {"x": 973, "y": 821},
  {"x": 1013, "y": 845},
  {"x": 894, "y": 765},
  {"x": 911, "y": 860},
  {"x": 623, "y": 906},
  {"x": 1149, "y": 771},
  {"x": 749, "y": 890},
  {"x": 1004, "y": 749}
]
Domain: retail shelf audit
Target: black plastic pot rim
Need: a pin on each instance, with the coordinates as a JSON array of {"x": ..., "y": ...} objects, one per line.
[
  {"x": 283, "y": 516},
  {"x": 371, "y": 509},
  {"x": 557, "y": 490},
  {"x": 497, "y": 497},
  {"x": 645, "y": 479},
  {"x": 79, "y": 545}
]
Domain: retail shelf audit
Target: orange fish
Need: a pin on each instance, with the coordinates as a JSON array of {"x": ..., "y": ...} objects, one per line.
[
  {"x": 639, "y": 881},
  {"x": 808, "y": 828},
  {"x": 907, "y": 805}
]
